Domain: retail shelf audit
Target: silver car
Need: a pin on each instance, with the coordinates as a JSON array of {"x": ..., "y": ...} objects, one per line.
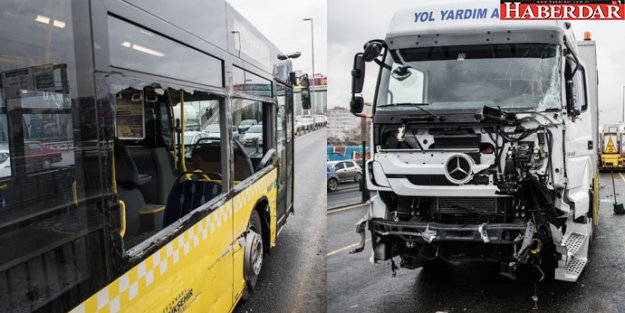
[{"x": 347, "y": 171}]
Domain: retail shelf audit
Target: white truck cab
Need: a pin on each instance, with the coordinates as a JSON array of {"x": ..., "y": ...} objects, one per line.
[{"x": 484, "y": 140}]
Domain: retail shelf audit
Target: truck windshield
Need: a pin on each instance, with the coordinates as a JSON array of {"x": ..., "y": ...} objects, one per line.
[{"x": 511, "y": 76}]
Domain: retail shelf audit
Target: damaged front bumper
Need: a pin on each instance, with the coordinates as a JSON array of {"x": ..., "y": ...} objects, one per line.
[
  {"x": 391, "y": 238},
  {"x": 435, "y": 232}
]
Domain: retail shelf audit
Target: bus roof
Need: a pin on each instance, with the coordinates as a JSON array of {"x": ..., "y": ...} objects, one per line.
[
  {"x": 219, "y": 24},
  {"x": 248, "y": 43}
]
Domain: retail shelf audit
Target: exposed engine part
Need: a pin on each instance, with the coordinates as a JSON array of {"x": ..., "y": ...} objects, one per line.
[
  {"x": 400, "y": 134},
  {"x": 360, "y": 229}
]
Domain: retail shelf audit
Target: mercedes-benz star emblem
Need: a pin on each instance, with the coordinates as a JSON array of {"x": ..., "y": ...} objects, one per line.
[{"x": 458, "y": 168}]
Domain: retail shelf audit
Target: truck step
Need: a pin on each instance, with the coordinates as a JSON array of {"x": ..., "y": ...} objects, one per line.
[
  {"x": 572, "y": 270},
  {"x": 573, "y": 242},
  {"x": 575, "y": 266}
]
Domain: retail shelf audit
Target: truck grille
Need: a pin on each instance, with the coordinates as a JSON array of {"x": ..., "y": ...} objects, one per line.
[{"x": 467, "y": 206}]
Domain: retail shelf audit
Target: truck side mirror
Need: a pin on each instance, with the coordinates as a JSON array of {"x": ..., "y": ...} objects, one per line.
[
  {"x": 372, "y": 50},
  {"x": 358, "y": 73},
  {"x": 356, "y": 105},
  {"x": 571, "y": 99},
  {"x": 305, "y": 93}
]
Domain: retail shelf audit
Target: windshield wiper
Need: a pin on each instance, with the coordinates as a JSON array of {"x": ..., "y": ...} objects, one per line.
[{"x": 416, "y": 105}]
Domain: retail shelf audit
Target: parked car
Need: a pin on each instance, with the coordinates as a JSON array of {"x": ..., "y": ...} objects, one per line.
[
  {"x": 300, "y": 127},
  {"x": 5, "y": 163},
  {"x": 190, "y": 139},
  {"x": 254, "y": 134},
  {"x": 214, "y": 131},
  {"x": 333, "y": 180},
  {"x": 245, "y": 125},
  {"x": 320, "y": 120},
  {"x": 360, "y": 163},
  {"x": 308, "y": 122},
  {"x": 347, "y": 171},
  {"x": 40, "y": 156}
]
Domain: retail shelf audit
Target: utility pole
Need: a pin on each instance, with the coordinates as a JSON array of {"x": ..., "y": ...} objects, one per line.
[{"x": 312, "y": 82}]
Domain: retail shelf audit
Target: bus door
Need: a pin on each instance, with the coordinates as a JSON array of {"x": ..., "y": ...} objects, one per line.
[
  {"x": 182, "y": 255},
  {"x": 177, "y": 234},
  {"x": 284, "y": 151}
]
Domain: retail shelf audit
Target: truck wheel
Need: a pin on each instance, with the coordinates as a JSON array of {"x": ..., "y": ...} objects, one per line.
[{"x": 253, "y": 256}]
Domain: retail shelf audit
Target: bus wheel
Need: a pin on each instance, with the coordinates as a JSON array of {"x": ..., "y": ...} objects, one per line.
[{"x": 253, "y": 257}]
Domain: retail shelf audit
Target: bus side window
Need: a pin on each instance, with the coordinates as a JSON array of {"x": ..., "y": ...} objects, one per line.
[
  {"x": 201, "y": 179},
  {"x": 247, "y": 116},
  {"x": 5, "y": 152},
  {"x": 142, "y": 163},
  {"x": 52, "y": 237}
]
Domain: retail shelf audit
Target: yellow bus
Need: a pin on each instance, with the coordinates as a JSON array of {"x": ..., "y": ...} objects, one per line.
[{"x": 146, "y": 155}]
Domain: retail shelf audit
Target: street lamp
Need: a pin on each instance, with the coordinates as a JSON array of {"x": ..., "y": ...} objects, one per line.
[
  {"x": 312, "y": 43},
  {"x": 293, "y": 55}
]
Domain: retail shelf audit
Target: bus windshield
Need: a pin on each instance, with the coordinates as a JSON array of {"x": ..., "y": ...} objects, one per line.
[{"x": 510, "y": 76}]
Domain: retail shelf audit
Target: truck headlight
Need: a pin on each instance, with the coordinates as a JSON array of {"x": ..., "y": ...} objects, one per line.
[{"x": 378, "y": 175}]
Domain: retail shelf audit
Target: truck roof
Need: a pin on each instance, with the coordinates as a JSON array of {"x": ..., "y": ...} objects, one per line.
[{"x": 440, "y": 22}]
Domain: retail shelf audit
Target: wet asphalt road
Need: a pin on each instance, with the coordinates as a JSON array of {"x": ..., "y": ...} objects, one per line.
[
  {"x": 346, "y": 194},
  {"x": 293, "y": 278},
  {"x": 356, "y": 285}
]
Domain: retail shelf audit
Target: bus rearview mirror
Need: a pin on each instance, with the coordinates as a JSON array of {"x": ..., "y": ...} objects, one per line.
[
  {"x": 305, "y": 97},
  {"x": 304, "y": 82}
]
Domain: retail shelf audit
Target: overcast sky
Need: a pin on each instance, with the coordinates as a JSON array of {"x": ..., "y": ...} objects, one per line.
[
  {"x": 353, "y": 22},
  {"x": 281, "y": 22}
]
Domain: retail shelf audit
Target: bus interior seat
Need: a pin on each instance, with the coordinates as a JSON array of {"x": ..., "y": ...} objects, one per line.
[
  {"x": 128, "y": 181},
  {"x": 207, "y": 158},
  {"x": 156, "y": 163},
  {"x": 187, "y": 195}
]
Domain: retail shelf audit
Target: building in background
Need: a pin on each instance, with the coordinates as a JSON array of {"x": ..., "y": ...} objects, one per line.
[
  {"x": 346, "y": 129},
  {"x": 318, "y": 94}
]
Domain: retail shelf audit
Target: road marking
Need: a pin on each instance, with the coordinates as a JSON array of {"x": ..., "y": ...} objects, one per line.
[
  {"x": 346, "y": 247},
  {"x": 623, "y": 178},
  {"x": 353, "y": 206}
]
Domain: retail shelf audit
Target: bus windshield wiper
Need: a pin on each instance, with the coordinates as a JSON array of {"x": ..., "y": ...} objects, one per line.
[{"x": 416, "y": 105}]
